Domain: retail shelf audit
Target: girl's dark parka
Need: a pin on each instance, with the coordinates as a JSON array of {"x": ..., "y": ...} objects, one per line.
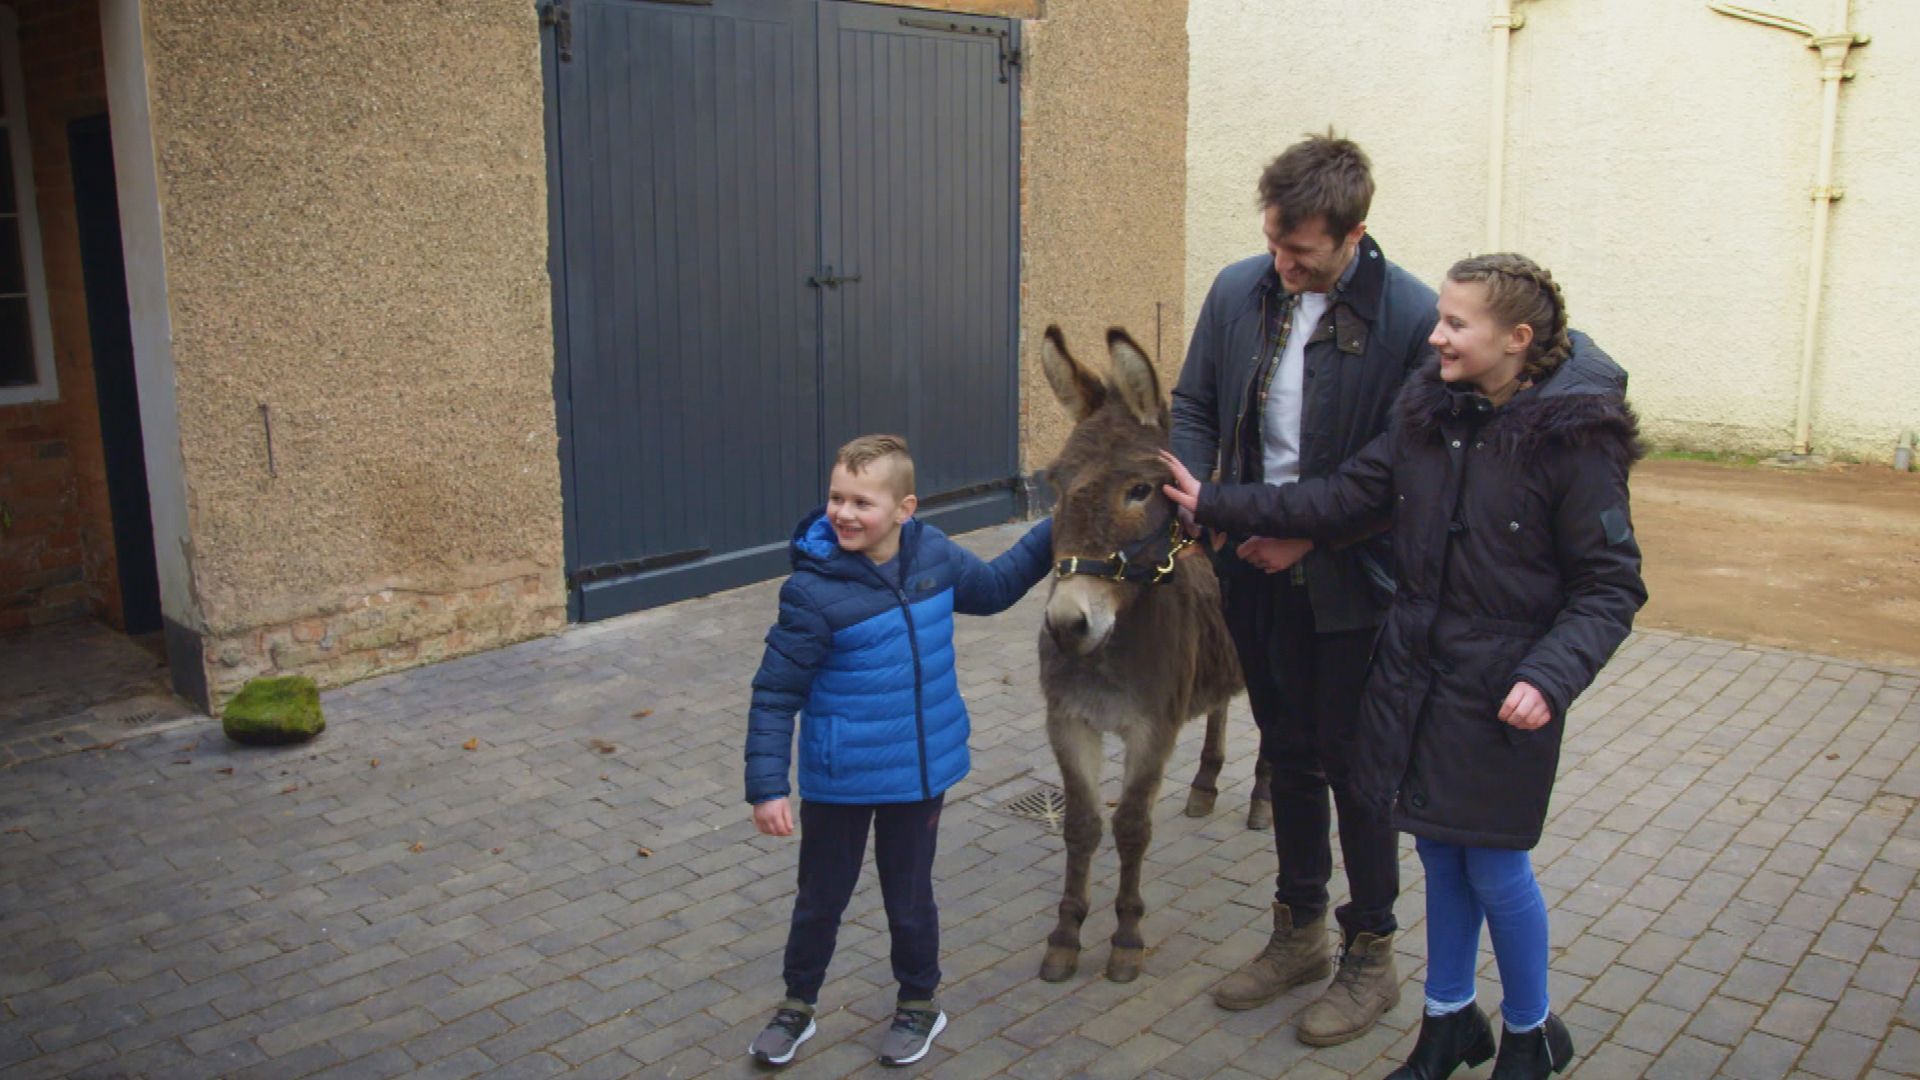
[{"x": 1517, "y": 561}]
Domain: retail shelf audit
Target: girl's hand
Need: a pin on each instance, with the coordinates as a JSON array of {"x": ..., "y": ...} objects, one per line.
[
  {"x": 773, "y": 817},
  {"x": 1185, "y": 490},
  {"x": 1525, "y": 708}
]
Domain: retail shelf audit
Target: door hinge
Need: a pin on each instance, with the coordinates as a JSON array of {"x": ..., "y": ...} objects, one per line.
[
  {"x": 559, "y": 15},
  {"x": 1009, "y": 52}
]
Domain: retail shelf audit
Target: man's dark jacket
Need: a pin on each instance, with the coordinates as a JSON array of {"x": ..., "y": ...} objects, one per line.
[
  {"x": 1517, "y": 563},
  {"x": 1373, "y": 335}
]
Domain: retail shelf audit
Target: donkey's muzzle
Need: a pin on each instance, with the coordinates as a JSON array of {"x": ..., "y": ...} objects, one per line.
[{"x": 1079, "y": 615}]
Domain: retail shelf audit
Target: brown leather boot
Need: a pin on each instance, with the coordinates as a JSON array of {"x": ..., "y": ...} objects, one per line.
[
  {"x": 1364, "y": 988},
  {"x": 1294, "y": 955}
]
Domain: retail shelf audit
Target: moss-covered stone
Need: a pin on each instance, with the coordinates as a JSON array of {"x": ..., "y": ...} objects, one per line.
[{"x": 274, "y": 711}]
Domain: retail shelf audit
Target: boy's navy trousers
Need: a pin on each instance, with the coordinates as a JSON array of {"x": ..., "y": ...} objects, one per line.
[{"x": 833, "y": 844}]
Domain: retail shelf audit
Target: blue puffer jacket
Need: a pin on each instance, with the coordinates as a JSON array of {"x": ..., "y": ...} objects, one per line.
[{"x": 865, "y": 654}]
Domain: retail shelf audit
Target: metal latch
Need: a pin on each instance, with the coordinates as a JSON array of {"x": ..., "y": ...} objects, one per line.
[
  {"x": 559, "y": 15},
  {"x": 826, "y": 279}
]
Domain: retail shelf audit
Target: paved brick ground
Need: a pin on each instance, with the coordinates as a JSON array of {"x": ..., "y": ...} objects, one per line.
[
  {"x": 77, "y": 684},
  {"x": 1731, "y": 865}
]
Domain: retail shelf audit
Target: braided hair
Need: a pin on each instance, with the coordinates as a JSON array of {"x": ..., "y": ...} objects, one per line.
[{"x": 1520, "y": 290}]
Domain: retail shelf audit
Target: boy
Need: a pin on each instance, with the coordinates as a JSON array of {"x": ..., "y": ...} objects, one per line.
[{"x": 864, "y": 653}]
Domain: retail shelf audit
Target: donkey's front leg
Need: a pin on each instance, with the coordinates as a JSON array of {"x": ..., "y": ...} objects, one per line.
[
  {"x": 1213, "y": 754},
  {"x": 1148, "y": 747},
  {"x": 1077, "y": 749}
]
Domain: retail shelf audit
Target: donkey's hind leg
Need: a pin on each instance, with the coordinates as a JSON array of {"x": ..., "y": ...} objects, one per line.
[
  {"x": 1260, "y": 807},
  {"x": 1213, "y": 754},
  {"x": 1077, "y": 749},
  {"x": 1148, "y": 747}
]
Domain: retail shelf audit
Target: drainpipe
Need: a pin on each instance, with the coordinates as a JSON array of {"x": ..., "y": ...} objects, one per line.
[
  {"x": 1833, "y": 48},
  {"x": 1504, "y": 22}
]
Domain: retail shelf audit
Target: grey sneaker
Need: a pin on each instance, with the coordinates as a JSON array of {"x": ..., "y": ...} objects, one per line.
[
  {"x": 915, "y": 1023},
  {"x": 792, "y": 1024}
]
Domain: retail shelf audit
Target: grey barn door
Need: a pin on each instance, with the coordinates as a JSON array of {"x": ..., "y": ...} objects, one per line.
[{"x": 778, "y": 224}]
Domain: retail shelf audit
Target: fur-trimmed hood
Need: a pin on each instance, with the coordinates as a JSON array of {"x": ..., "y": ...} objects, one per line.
[{"x": 1579, "y": 403}]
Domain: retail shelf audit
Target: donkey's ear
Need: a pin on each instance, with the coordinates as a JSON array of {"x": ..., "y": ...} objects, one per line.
[
  {"x": 1134, "y": 378},
  {"x": 1079, "y": 392}
]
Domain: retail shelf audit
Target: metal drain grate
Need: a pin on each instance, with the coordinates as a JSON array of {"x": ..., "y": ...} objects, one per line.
[
  {"x": 140, "y": 717},
  {"x": 1046, "y": 804}
]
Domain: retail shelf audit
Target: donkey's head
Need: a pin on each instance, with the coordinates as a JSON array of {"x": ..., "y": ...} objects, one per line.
[{"x": 1108, "y": 481}]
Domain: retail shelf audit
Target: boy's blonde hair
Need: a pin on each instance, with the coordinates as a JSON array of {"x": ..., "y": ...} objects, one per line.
[{"x": 860, "y": 454}]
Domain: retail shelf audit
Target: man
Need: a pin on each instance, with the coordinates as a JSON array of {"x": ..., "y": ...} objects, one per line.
[{"x": 1294, "y": 367}]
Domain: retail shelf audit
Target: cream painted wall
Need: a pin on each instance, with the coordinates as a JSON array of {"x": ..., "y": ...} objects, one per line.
[{"x": 1659, "y": 159}]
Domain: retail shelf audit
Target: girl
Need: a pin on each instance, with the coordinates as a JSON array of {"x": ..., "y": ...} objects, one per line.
[{"x": 1505, "y": 479}]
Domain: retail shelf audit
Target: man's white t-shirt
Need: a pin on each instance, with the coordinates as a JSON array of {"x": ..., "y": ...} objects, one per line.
[{"x": 1280, "y": 415}]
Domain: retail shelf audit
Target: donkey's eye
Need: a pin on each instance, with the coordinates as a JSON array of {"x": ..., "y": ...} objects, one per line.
[{"x": 1140, "y": 493}]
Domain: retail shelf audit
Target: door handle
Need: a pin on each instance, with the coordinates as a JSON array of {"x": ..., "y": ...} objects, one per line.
[{"x": 826, "y": 279}]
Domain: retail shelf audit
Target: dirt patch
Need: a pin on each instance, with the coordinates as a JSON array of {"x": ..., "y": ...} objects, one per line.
[{"x": 1826, "y": 561}]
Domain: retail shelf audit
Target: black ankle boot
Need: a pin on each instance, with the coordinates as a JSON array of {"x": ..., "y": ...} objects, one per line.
[
  {"x": 1533, "y": 1055},
  {"x": 1462, "y": 1037}
]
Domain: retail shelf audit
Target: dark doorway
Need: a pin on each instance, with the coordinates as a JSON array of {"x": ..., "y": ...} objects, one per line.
[{"x": 97, "y": 211}]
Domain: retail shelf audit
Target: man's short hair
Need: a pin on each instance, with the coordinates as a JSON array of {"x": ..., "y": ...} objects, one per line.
[
  {"x": 1320, "y": 176},
  {"x": 860, "y": 454}
]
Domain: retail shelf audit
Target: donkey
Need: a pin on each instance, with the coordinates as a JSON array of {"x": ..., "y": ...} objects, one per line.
[{"x": 1134, "y": 644}]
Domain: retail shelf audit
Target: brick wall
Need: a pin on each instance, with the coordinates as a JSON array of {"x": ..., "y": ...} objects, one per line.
[
  {"x": 386, "y": 631},
  {"x": 56, "y": 554}
]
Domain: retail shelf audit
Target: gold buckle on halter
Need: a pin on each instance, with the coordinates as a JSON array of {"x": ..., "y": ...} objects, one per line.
[{"x": 1179, "y": 541}]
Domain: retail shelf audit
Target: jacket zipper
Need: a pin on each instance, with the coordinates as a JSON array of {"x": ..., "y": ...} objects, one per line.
[
  {"x": 919, "y": 717},
  {"x": 913, "y": 643}
]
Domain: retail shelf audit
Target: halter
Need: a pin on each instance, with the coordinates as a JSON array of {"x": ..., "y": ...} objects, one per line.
[{"x": 1120, "y": 565}]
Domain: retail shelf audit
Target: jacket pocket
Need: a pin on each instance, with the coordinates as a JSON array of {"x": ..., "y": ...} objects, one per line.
[{"x": 822, "y": 743}]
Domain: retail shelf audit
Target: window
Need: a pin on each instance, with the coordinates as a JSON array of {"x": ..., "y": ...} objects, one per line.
[{"x": 26, "y": 345}]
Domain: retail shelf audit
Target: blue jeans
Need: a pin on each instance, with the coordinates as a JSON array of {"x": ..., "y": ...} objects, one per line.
[{"x": 1464, "y": 886}]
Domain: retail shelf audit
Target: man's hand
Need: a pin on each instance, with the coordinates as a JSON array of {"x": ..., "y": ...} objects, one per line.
[
  {"x": 1184, "y": 491},
  {"x": 1273, "y": 555},
  {"x": 773, "y": 817},
  {"x": 1525, "y": 708}
]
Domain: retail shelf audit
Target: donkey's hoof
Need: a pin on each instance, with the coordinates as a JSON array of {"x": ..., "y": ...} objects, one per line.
[
  {"x": 1200, "y": 803},
  {"x": 1060, "y": 964},
  {"x": 1260, "y": 815},
  {"x": 1123, "y": 965}
]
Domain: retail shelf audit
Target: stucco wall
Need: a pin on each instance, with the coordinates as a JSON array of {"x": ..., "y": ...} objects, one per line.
[
  {"x": 1103, "y": 146},
  {"x": 1659, "y": 161},
  {"x": 354, "y": 209}
]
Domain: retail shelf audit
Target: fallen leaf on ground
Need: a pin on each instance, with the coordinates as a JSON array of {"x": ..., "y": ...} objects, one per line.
[
  {"x": 228, "y": 771},
  {"x": 604, "y": 776},
  {"x": 59, "y": 738},
  {"x": 643, "y": 714},
  {"x": 17, "y": 829},
  {"x": 1113, "y": 802},
  {"x": 374, "y": 764},
  {"x": 189, "y": 748},
  {"x": 290, "y": 789},
  {"x": 184, "y": 761},
  {"x": 417, "y": 847},
  {"x": 1833, "y": 757},
  {"x": 601, "y": 746},
  {"x": 497, "y": 851},
  {"x": 646, "y": 853},
  {"x": 471, "y": 744}
]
